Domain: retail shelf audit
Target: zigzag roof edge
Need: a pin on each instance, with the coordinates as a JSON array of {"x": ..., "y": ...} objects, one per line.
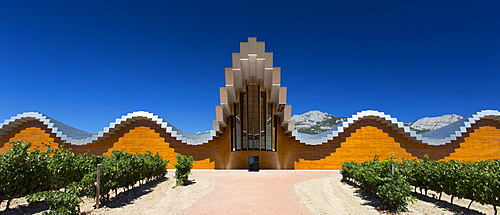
[
  {"x": 448, "y": 133},
  {"x": 87, "y": 138},
  {"x": 451, "y": 132}
]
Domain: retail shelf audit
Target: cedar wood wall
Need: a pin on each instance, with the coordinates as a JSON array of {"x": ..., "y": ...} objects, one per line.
[{"x": 360, "y": 142}]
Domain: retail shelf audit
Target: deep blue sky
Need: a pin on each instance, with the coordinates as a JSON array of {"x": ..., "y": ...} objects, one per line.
[{"x": 86, "y": 63}]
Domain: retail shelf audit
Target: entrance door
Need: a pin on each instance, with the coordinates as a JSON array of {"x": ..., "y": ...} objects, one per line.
[{"x": 253, "y": 163}]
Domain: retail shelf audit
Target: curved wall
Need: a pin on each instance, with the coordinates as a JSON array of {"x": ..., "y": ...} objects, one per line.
[
  {"x": 359, "y": 141},
  {"x": 34, "y": 132}
]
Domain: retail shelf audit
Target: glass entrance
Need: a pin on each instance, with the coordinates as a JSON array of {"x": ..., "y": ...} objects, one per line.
[
  {"x": 253, "y": 163},
  {"x": 253, "y": 122}
]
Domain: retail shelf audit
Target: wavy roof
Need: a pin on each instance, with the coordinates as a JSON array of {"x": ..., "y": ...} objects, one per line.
[
  {"x": 437, "y": 137},
  {"x": 75, "y": 136},
  {"x": 78, "y": 137}
]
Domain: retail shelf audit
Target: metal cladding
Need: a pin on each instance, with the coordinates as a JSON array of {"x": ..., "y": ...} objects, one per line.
[
  {"x": 253, "y": 65},
  {"x": 75, "y": 136}
]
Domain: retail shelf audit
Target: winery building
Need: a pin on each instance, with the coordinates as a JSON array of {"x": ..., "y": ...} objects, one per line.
[{"x": 253, "y": 123}]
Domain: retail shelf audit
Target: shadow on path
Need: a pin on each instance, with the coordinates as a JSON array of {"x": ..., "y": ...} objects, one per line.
[
  {"x": 375, "y": 201},
  {"x": 371, "y": 198},
  {"x": 127, "y": 197},
  {"x": 456, "y": 209},
  {"x": 32, "y": 208}
]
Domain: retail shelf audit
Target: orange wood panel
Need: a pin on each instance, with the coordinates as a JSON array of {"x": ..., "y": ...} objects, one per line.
[
  {"x": 34, "y": 135},
  {"x": 203, "y": 164},
  {"x": 360, "y": 146},
  {"x": 482, "y": 144},
  {"x": 267, "y": 159},
  {"x": 143, "y": 135},
  {"x": 141, "y": 139}
]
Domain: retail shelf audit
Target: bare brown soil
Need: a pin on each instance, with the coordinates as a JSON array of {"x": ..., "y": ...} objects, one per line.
[{"x": 265, "y": 192}]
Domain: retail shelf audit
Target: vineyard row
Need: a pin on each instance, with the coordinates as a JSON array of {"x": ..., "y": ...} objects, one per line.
[
  {"x": 60, "y": 177},
  {"x": 392, "y": 180}
]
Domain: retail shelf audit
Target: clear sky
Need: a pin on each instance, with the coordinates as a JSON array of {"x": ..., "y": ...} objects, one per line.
[{"x": 86, "y": 63}]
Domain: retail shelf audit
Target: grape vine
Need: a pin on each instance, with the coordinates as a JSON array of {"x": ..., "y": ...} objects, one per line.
[
  {"x": 382, "y": 179},
  {"x": 57, "y": 175},
  {"x": 476, "y": 181}
]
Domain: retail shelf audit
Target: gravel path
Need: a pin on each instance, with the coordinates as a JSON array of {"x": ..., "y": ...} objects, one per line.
[
  {"x": 328, "y": 195},
  {"x": 265, "y": 192}
]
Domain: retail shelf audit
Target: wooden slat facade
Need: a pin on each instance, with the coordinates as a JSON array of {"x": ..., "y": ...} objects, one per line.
[{"x": 360, "y": 142}]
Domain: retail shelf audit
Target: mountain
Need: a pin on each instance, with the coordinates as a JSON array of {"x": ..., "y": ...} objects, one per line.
[
  {"x": 433, "y": 123},
  {"x": 314, "y": 122}
]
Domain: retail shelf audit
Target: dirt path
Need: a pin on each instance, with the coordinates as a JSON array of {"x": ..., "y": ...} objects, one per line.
[
  {"x": 327, "y": 195},
  {"x": 267, "y": 192}
]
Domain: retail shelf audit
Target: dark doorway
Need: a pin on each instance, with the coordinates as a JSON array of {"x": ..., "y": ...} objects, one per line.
[{"x": 253, "y": 163}]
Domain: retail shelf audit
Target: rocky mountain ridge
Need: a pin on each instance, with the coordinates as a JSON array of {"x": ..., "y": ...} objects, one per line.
[
  {"x": 314, "y": 122},
  {"x": 433, "y": 123}
]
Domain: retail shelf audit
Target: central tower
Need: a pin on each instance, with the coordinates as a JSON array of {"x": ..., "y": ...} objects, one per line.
[{"x": 253, "y": 103}]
